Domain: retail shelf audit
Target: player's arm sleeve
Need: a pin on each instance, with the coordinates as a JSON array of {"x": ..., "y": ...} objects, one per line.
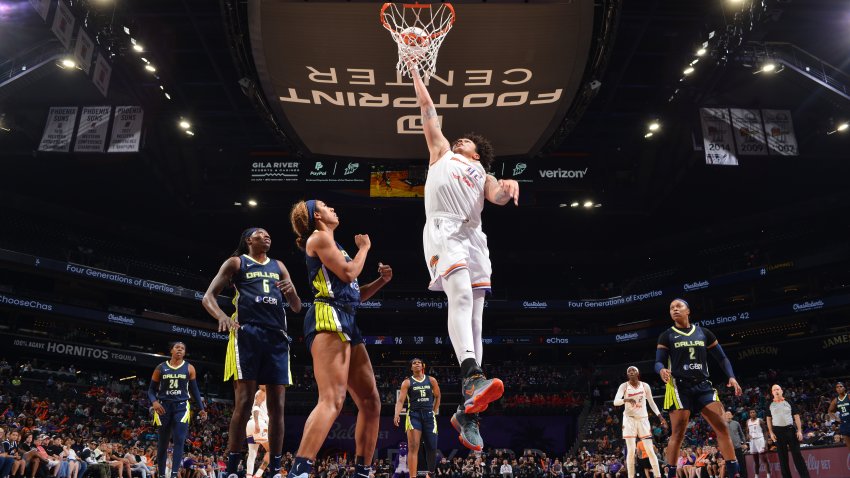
[
  {"x": 652, "y": 405},
  {"x": 621, "y": 392},
  {"x": 662, "y": 354},
  {"x": 196, "y": 392},
  {"x": 152, "y": 389},
  {"x": 717, "y": 352}
]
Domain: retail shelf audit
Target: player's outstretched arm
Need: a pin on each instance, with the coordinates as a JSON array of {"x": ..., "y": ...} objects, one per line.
[
  {"x": 501, "y": 191},
  {"x": 438, "y": 145},
  {"x": 385, "y": 274}
]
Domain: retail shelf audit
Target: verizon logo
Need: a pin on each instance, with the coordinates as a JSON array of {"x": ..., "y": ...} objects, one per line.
[{"x": 563, "y": 173}]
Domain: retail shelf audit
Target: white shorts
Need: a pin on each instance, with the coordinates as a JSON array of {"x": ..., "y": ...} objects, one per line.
[
  {"x": 451, "y": 245},
  {"x": 261, "y": 437},
  {"x": 757, "y": 445},
  {"x": 636, "y": 427}
]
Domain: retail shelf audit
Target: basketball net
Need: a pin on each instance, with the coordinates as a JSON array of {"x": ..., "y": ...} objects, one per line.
[{"x": 418, "y": 30}]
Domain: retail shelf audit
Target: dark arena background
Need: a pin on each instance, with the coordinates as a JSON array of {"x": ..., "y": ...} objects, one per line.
[{"x": 663, "y": 149}]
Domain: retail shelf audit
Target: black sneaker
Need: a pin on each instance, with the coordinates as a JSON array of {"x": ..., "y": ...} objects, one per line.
[
  {"x": 467, "y": 427},
  {"x": 479, "y": 391}
]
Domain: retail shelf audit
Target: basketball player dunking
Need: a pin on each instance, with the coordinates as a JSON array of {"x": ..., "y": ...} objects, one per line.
[
  {"x": 168, "y": 393},
  {"x": 758, "y": 446},
  {"x": 456, "y": 251},
  {"x": 422, "y": 393},
  {"x": 635, "y": 394},
  {"x": 840, "y": 407}
]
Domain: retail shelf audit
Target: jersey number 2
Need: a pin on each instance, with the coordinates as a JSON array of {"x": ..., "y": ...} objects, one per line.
[{"x": 693, "y": 353}]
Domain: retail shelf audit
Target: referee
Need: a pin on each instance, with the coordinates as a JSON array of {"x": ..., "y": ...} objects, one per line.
[{"x": 782, "y": 421}]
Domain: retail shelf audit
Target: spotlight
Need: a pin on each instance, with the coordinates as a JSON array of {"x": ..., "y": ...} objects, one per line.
[
  {"x": 574, "y": 204},
  {"x": 654, "y": 126},
  {"x": 588, "y": 204},
  {"x": 688, "y": 70},
  {"x": 701, "y": 52},
  {"x": 167, "y": 96},
  {"x": 137, "y": 47},
  {"x": 237, "y": 203},
  {"x": 150, "y": 68},
  {"x": 185, "y": 124},
  {"x": 189, "y": 132},
  {"x": 252, "y": 203},
  {"x": 597, "y": 205},
  {"x": 161, "y": 87},
  {"x": 696, "y": 60},
  {"x": 843, "y": 127},
  {"x": 648, "y": 135},
  {"x": 768, "y": 67},
  {"x": 67, "y": 63}
]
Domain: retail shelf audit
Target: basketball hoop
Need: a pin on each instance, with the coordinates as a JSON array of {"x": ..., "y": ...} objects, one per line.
[{"x": 418, "y": 30}]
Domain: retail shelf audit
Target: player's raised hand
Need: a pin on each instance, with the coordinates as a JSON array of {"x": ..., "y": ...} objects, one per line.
[
  {"x": 385, "y": 271},
  {"x": 362, "y": 241},
  {"x": 734, "y": 384},
  {"x": 511, "y": 188}
]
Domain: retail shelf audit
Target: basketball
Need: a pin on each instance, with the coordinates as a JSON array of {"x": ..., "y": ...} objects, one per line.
[{"x": 413, "y": 43}]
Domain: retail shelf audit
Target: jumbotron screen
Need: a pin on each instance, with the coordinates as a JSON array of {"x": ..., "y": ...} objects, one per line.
[{"x": 509, "y": 71}]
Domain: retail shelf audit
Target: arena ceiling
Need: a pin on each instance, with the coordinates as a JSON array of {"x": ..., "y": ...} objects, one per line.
[{"x": 188, "y": 186}]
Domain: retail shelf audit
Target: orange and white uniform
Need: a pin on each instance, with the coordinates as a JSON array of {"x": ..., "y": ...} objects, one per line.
[{"x": 452, "y": 238}]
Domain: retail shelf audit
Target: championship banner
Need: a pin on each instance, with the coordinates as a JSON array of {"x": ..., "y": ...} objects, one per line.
[
  {"x": 717, "y": 137},
  {"x": 84, "y": 50},
  {"x": 59, "y": 129},
  {"x": 42, "y": 7},
  {"x": 780, "y": 133},
  {"x": 126, "y": 129},
  {"x": 63, "y": 24},
  {"x": 91, "y": 132},
  {"x": 102, "y": 74},
  {"x": 749, "y": 133}
]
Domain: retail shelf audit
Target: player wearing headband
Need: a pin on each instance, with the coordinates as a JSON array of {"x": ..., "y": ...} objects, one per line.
[
  {"x": 635, "y": 394},
  {"x": 840, "y": 408},
  {"x": 168, "y": 393},
  {"x": 681, "y": 358},
  {"x": 258, "y": 350},
  {"x": 340, "y": 361}
]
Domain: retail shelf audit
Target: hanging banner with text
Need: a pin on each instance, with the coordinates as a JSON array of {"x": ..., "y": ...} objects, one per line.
[
  {"x": 102, "y": 74},
  {"x": 749, "y": 133},
  {"x": 42, "y": 7},
  {"x": 717, "y": 137},
  {"x": 84, "y": 50},
  {"x": 126, "y": 129},
  {"x": 59, "y": 129},
  {"x": 63, "y": 24},
  {"x": 91, "y": 132},
  {"x": 276, "y": 172},
  {"x": 780, "y": 133}
]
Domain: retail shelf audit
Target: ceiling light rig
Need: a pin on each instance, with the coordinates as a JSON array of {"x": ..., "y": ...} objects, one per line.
[{"x": 842, "y": 128}]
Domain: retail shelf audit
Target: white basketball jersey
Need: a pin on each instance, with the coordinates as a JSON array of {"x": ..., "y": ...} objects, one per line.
[
  {"x": 755, "y": 428},
  {"x": 455, "y": 188},
  {"x": 638, "y": 394},
  {"x": 263, "y": 408}
]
